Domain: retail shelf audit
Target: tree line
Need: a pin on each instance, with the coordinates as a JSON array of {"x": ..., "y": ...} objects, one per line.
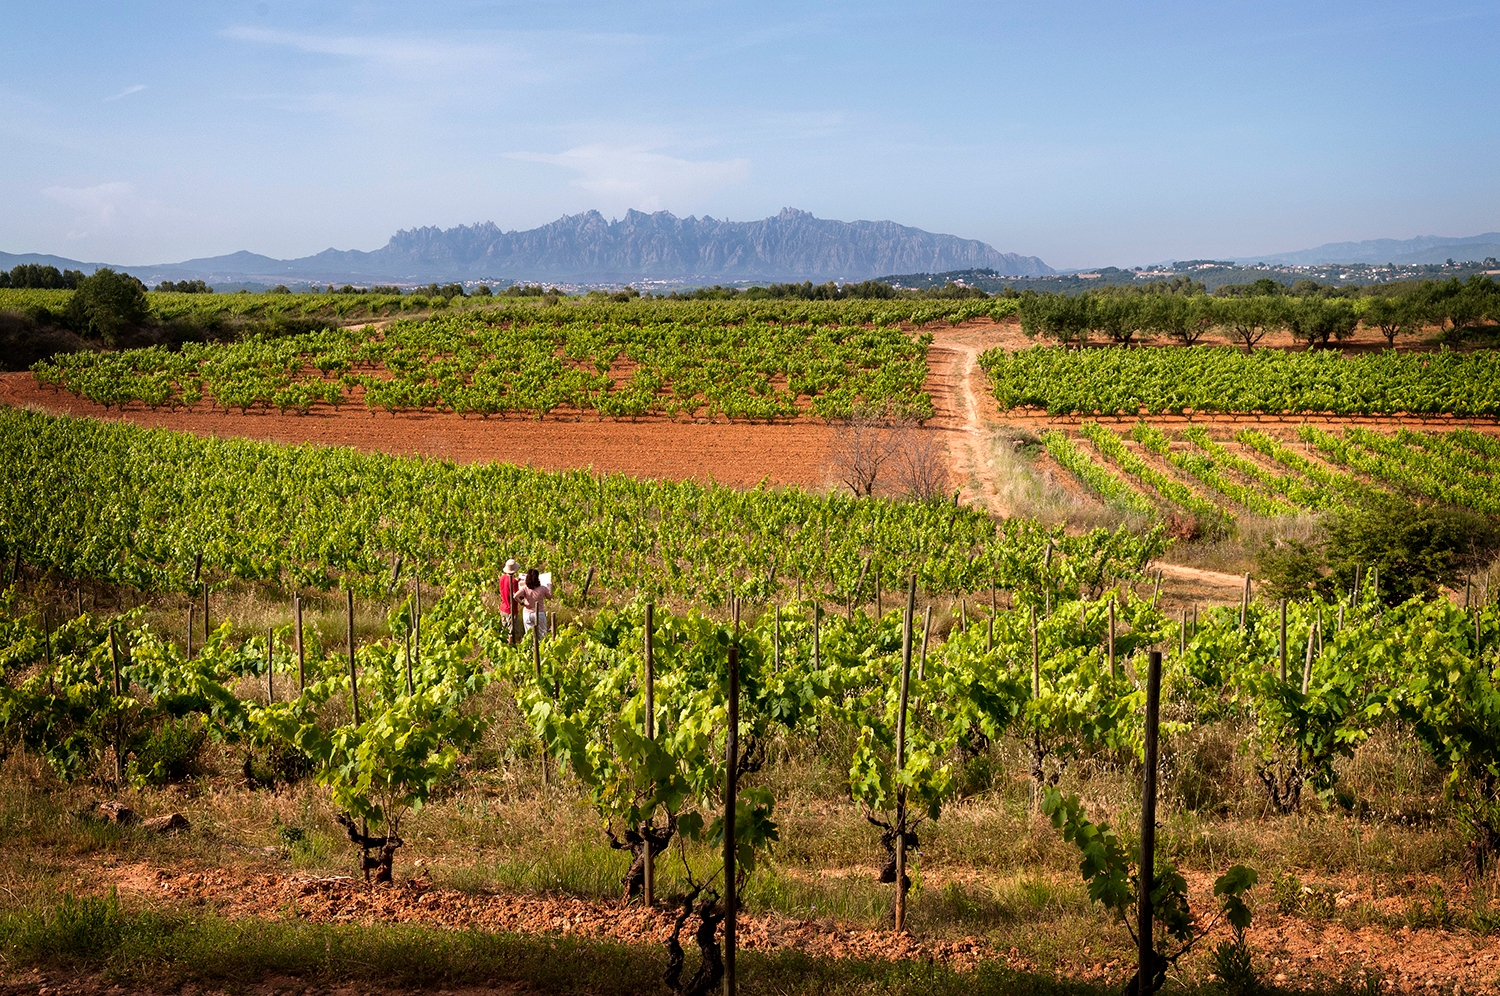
[
  {"x": 40, "y": 276},
  {"x": 1314, "y": 315}
]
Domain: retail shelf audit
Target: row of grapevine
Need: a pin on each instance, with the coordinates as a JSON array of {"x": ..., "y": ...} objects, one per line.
[
  {"x": 850, "y": 311},
  {"x": 1172, "y": 491},
  {"x": 1446, "y": 476},
  {"x": 1452, "y": 469},
  {"x": 141, "y": 507},
  {"x": 748, "y": 370},
  {"x": 1176, "y": 381},
  {"x": 1094, "y": 475}
]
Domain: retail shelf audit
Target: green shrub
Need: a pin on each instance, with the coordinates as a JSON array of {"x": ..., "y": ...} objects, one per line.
[{"x": 170, "y": 753}]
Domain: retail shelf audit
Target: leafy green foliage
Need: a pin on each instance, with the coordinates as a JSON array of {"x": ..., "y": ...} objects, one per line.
[
  {"x": 105, "y": 303},
  {"x": 462, "y": 363},
  {"x": 138, "y": 507},
  {"x": 1113, "y": 882},
  {"x": 1172, "y": 381}
]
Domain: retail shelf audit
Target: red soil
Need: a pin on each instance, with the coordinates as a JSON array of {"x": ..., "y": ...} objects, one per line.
[{"x": 731, "y": 453}]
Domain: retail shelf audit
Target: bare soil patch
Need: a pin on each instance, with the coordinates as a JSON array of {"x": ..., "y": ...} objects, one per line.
[
  {"x": 1288, "y": 949},
  {"x": 739, "y": 454},
  {"x": 345, "y": 900}
]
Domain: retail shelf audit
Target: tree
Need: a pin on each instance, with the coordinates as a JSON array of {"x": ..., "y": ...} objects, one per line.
[
  {"x": 106, "y": 303},
  {"x": 39, "y": 276},
  {"x": 1392, "y": 316},
  {"x": 861, "y": 446},
  {"x": 1317, "y": 320},
  {"x": 1056, "y": 316},
  {"x": 1118, "y": 317},
  {"x": 1291, "y": 570},
  {"x": 1186, "y": 319},
  {"x": 1248, "y": 319}
]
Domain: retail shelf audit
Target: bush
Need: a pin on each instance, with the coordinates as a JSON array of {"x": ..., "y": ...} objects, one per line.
[
  {"x": 169, "y": 754},
  {"x": 1292, "y": 570},
  {"x": 106, "y": 304},
  {"x": 1417, "y": 546}
]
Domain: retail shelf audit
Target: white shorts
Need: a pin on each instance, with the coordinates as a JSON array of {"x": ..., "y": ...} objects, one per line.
[{"x": 535, "y": 619}]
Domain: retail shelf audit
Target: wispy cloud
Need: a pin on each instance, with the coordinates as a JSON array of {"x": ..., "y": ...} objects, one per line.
[
  {"x": 390, "y": 50},
  {"x": 102, "y": 206},
  {"x": 636, "y": 176},
  {"x": 127, "y": 92}
]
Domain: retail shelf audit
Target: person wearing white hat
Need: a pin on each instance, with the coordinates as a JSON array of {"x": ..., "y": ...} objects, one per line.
[{"x": 508, "y": 592}]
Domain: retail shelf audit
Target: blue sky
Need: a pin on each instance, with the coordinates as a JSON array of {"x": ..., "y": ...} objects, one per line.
[{"x": 1087, "y": 134}]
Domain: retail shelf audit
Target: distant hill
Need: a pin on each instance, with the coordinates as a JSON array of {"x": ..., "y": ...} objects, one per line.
[
  {"x": 1422, "y": 249},
  {"x": 588, "y": 248}
]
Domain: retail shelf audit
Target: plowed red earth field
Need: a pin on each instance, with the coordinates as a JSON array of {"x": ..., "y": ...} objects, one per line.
[{"x": 730, "y": 453}]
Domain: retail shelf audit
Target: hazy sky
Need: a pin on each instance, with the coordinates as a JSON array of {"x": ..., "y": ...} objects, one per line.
[{"x": 1084, "y": 133}]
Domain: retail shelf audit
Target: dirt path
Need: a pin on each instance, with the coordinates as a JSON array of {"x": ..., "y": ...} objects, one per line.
[{"x": 963, "y": 407}]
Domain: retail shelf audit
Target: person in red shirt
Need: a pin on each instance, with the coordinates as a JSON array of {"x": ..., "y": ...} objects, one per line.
[{"x": 509, "y": 589}]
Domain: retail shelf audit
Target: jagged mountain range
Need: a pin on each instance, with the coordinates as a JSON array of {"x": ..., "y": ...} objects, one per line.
[
  {"x": 1410, "y": 252},
  {"x": 588, "y": 248}
]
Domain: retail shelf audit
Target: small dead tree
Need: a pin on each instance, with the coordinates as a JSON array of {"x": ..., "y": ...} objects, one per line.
[
  {"x": 861, "y": 447},
  {"x": 919, "y": 461}
]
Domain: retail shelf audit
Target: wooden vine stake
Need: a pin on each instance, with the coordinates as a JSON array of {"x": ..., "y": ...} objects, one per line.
[
  {"x": 270, "y": 666},
  {"x": 1113, "y": 670},
  {"x": 205, "y": 613},
  {"x": 906, "y": 642},
  {"x": 1283, "y": 639},
  {"x": 1036, "y": 693},
  {"x": 1146, "y": 953},
  {"x": 364, "y": 825},
  {"x": 775, "y": 639},
  {"x": 47, "y": 637},
  {"x": 731, "y": 758},
  {"x": 648, "y": 884},
  {"x": 114, "y": 660},
  {"x": 297, "y": 636}
]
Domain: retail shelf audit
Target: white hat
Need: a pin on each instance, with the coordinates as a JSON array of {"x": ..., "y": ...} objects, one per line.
[{"x": 511, "y": 567}]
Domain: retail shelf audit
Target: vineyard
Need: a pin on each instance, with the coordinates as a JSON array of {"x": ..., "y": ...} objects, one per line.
[
  {"x": 1134, "y": 382},
  {"x": 750, "y": 370},
  {"x": 156, "y": 510},
  {"x": 670, "y": 725},
  {"x": 788, "y": 714},
  {"x": 1217, "y": 480},
  {"x": 168, "y": 306}
]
